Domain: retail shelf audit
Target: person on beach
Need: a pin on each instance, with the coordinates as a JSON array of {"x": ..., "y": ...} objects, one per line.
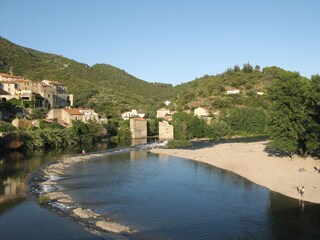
[
  {"x": 301, "y": 190},
  {"x": 83, "y": 151}
]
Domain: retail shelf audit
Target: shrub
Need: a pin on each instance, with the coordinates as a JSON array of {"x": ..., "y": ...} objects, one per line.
[
  {"x": 43, "y": 199},
  {"x": 178, "y": 144}
]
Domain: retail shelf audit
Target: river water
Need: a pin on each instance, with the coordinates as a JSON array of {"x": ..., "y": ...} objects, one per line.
[
  {"x": 23, "y": 218},
  {"x": 161, "y": 197},
  {"x": 166, "y": 197}
]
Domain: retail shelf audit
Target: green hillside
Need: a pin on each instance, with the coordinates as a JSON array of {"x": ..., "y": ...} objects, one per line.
[
  {"x": 107, "y": 89},
  {"x": 210, "y": 91},
  {"x": 110, "y": 90}
]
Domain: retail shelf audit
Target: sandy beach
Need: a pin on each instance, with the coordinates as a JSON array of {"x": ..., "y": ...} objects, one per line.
[{"x": 249, "y": 160}]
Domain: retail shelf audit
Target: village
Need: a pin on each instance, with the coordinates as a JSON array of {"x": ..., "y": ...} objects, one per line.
[{"x": 54, "y": 96}]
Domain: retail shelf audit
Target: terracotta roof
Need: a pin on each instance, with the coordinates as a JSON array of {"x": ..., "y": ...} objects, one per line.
[
  {"x": 7, "y": 82},
  {"x": 8, "y": 75},
  {"x": 73, "y": 111},
  {"x": 23, "y": 81}
]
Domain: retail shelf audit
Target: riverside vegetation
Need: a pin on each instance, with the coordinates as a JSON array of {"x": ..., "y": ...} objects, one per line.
[{"x": 288, "y": 111}]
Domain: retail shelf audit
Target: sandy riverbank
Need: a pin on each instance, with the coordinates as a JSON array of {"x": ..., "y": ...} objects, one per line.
[{"x": 252, "y": 162}]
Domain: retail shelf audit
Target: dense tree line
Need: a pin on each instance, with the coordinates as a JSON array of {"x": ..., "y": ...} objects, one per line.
[
  {"x": 233, "y": 121},
  {"x": 51, "y": 136},
  {"x": 295, "y": 114}
]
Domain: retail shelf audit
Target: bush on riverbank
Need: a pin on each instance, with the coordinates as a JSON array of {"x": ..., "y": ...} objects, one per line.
[
  {"x": 52, "y": 137},
  {"x": 43, "y": 199},
  {"x": 178, "y": 144}
]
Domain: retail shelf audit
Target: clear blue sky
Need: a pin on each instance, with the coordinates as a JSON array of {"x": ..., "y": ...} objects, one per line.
[{"x": 170, "y": 41}]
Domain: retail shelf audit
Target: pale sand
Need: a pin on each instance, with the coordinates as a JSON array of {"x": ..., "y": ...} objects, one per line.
[{"x": 249, "y": 160}]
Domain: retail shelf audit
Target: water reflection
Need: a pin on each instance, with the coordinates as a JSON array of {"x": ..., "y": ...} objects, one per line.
[
  {"x": 136, "y": 155},
  {"x": 293, "y": 219},
  {"x": 15, "y": 167},
  {"x": 138, "y": 141}
]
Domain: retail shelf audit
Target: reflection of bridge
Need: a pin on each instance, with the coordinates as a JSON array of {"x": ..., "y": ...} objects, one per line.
[{"x": 13, "y": 189}]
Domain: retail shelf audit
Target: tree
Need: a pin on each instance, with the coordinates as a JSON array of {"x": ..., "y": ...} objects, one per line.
[
  {"x": 153, "y": 127},
  {"x": 289, "y": 114},
  {"x": 247, "y": 68},
  {"x": 247, "y": 120},
  {"x": 38, "y": 113},
  {"x": 217, "y": 130},
  {"x": 180, "y": 125},
  {"x": 124, "y": 130},
  {"x": 236, "y": 68},
  {"x": 196, "y": 127},
  {"x": 312, "y": 135}
]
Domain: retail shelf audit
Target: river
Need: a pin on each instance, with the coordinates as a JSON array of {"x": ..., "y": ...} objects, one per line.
[{"x": 161, "y": 197}]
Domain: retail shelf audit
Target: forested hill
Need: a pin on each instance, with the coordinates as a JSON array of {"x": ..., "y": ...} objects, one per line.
[
  {"x": 210, "y": 91},
  {"x": 107, "y": 89}
]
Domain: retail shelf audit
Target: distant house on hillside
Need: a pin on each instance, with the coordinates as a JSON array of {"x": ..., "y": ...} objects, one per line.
[
  {"x": 131, "y": 114},
  {"x": 231, "y": 90},
  {"x": 24, "y": 84},
  {"x": 162, "y": 112},
  {"x": 167, "y": 102},
  {"x": 201, "y": 112},
  {"x": 8, "y": 86},
  {"x": 67, "y": 115},
  {"x": 4, "y": 95},
  {"x": 8, "y": 77},
  {"x": 55, "y": 94}
]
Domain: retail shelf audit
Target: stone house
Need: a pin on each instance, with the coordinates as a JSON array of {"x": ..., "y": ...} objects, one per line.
[
  {"x": 201, "y": 112},
  {"x": 67, "y": 115},
  {"x": 55, "y": 94},
  {"x": 132, "y": 114},
  {"x": 9, "y": 87},
  {"x": 5, "y": 96},
  {"x": 24, "y": 84},
  {"x": 91, "y": 115},
  {"x": 8, "y": 77},
  {"x": 162, "y": 112}
]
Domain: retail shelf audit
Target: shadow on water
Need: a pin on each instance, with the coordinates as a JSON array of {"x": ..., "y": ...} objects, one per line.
[{"x": 293, "y": 219}]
